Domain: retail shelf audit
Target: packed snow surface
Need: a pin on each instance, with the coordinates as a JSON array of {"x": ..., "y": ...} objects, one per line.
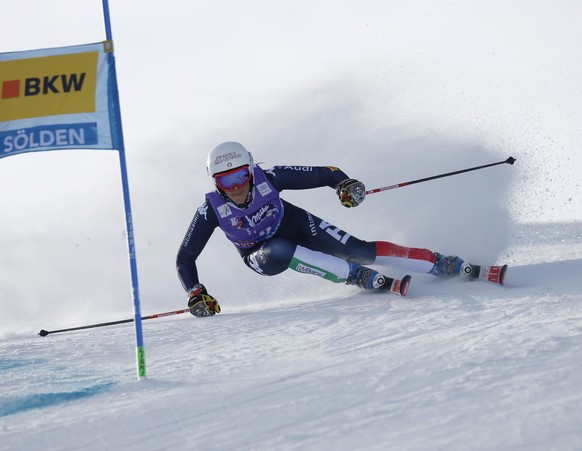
[
  {"x": 456, "y": 365},
  {"x": 388, "y": 91}
]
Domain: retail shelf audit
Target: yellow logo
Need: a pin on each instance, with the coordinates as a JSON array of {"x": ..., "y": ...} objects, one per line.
[{"x": 48, "y": 86}]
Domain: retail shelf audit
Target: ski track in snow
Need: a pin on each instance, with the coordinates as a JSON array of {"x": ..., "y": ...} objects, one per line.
[{"x": 456, "y": 365}]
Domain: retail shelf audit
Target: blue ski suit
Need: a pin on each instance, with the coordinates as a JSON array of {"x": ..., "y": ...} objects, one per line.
[{"x": 272, "y": 234}]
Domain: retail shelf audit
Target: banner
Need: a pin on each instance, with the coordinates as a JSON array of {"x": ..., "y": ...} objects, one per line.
[{"x": 61, "y": 98}]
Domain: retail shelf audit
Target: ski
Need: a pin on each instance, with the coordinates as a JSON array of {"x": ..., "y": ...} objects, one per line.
[
  {"x": 493, "y": 274},
  {"x": 399, "y": 286}
]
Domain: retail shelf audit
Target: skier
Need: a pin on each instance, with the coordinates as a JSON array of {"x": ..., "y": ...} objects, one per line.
[{"x": 272, "y": 234}]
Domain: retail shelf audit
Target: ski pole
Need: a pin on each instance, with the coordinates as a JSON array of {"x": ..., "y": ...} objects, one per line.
[
  {"x": 510, "y": 160},
  {"x": 44, "y": 333}
]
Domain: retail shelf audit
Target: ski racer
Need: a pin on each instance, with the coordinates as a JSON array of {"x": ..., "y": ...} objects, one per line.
[{"x": 272, "y": 234}]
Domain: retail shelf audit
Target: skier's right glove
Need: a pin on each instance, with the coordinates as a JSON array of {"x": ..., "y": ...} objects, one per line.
[
  {"x": 351, "y": 192},
  {"x": 200, "y": 303}
]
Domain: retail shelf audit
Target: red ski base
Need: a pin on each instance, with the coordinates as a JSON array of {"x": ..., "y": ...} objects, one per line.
[
  {"x": 400, "y": 286},
  {"x": 493, "y": 274}
]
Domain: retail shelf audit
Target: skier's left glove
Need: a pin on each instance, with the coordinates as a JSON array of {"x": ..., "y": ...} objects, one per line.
[
  {"x": 351, "y": 193},
  {"x": 200, "y": 303}
]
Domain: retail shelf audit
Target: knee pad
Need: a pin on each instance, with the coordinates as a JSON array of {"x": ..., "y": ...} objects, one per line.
[{"x": 272, "y": 257}]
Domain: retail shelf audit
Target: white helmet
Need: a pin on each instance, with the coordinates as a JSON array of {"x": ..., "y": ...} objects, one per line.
[{"x": 227, "y": 156}]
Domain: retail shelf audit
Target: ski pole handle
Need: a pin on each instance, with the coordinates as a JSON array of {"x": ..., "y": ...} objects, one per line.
[
  {"x": 510, "y": 160},
  {"x": 44, "y": 333}
]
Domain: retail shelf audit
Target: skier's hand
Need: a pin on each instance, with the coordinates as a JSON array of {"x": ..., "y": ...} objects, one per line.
[
  {"x": 201, "y": 303},
  {"x": 351, "y": 193}
]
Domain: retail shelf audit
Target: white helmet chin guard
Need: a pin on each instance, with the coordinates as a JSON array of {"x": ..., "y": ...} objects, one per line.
[{"x": 227, "y": 156}]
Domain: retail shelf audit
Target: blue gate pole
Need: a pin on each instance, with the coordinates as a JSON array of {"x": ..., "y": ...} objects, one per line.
[{"x": 141, "y": 364}]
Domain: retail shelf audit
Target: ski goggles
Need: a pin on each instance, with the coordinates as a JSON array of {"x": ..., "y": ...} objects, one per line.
[{"x": 236, "y": 177}]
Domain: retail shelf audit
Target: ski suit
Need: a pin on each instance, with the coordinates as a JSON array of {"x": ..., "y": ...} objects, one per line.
[{"x": 272, "y": 234}]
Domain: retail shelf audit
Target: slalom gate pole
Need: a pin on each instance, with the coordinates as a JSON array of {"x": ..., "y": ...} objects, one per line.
[
  {"x": 140, "y": 349},
  {"x": 44, "y": 333},
  {"x": 510, "y": 160}
]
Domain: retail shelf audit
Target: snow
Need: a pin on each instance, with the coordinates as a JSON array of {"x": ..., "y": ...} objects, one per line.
[
  {"x": 455, "y": 365},
  {"x": 388, "y": 92}
]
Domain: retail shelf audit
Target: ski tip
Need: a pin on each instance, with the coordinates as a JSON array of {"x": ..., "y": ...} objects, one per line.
[
  {"x": 404, "y": 283},
  {"x": 502, "y": 275},
  {"x": 43, "y": 333}
]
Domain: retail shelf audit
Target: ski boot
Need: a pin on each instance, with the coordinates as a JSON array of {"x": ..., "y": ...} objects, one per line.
[
  {"x": 446, "y": 266},
  {"x": 369, "y": 279},
  {"x": 451, "y": 265}
]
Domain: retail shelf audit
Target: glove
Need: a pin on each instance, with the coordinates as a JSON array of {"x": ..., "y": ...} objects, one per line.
[
  {"x": 351, "y": 193},
  {"x": 201, "y": 303}
]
